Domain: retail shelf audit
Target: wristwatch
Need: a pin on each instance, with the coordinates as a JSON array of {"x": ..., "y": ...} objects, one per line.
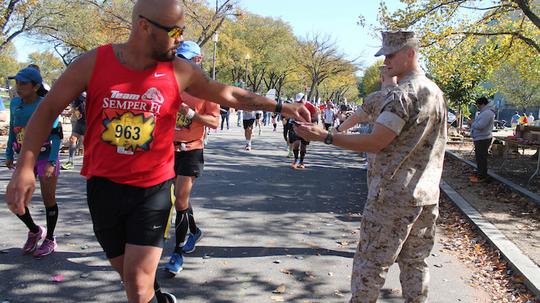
[
  {"x": 279, "y": 106},
  {"x": 329, "y": 138}
]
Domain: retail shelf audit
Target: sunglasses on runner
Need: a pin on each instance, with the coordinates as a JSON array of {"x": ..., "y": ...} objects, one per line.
[{"x": 174, "y": 32}]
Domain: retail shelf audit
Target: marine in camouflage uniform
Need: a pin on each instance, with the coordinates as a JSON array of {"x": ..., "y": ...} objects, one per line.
[
  {"x": 408, "y": 141},
  {"x": 403, "y": 194}
]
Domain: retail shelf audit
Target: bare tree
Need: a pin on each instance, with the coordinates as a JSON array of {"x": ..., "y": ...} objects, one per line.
[
  {"x": 320, "y": 59},
  {"x": 18, "y": 17}
]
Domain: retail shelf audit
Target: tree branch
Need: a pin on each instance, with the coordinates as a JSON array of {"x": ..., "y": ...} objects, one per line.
[{"x": 526, "y": 8}]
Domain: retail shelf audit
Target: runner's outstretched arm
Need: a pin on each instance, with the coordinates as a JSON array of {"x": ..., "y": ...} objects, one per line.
[{"x": 195, "y": 82}]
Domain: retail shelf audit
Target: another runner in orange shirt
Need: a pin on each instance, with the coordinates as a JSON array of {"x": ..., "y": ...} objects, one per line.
[{"x": 193, "y": 117}]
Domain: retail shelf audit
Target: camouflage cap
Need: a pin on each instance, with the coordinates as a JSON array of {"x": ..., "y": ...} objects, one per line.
[{"x": 394, "y": 41}]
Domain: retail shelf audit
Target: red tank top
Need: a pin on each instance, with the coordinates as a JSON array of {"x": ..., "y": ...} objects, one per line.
[{"x": 130, "y": 118}]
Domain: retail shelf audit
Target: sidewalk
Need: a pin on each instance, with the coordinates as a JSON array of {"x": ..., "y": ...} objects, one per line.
[{"x": 272, "y": 234}]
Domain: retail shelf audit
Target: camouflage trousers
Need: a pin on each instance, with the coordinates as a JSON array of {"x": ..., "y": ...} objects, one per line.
[{"x": 389, "y": 233}]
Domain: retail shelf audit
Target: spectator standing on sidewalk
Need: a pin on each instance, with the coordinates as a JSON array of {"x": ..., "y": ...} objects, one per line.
[
  {"x": 515, "y": 119},
  {"x": 481, "y": 133},
  {"x": 224, "y": 112},
  {"x": 408, "y": 140},
  {"x": 523, "y": 120},
  {"x": 530, "y": 119}
]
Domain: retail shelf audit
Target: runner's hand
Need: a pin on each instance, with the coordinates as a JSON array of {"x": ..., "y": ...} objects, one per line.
[
  {"x": 310, "y": 131},
  {"x": 184, "y": 109},
  {"x": 9, "y": 164},
  {"x": 20, "y": 190},
  {"x": 296, "y": 111},
  {"x": 49, "y": 170}
]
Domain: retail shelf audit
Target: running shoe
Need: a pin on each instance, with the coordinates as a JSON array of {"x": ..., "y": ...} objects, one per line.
[
  {"x": 248, "y": 147},
  {"x": 170, "y": 297},
  {"x": 33, "y": 239},
  {"x": 290, "y": 154},
  {"x": 301, "y": 165},
  {"x": 189, "y": 247},
  {"x": 46, "y": 248},
  {"x": 175, "y": 264},
  {"x": 294, "y": 165},
  {"x": 67, "y": 166}
]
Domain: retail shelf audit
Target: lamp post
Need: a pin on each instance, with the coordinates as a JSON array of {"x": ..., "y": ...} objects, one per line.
[
  {"x": 246, "y": 75},
  {"x": 214, "y": 58}
]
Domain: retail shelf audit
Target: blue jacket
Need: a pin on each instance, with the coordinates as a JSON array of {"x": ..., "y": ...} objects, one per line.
[
  {"x": 482, "y": 126},
  {"x": 20, "y": 114}
]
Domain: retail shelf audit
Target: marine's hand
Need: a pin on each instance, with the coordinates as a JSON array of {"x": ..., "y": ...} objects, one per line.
[
  {"x": 20, "y": 190},
  {"x": 310, "y": 131}
]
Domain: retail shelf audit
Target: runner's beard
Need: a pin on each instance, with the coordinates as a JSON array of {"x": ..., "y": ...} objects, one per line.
[{"x": 167, "y": 56}]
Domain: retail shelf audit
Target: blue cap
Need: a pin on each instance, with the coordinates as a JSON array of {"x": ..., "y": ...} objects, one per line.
[
  {"x": 188, "y": 49},
  {"x": 28, "y": 74}
]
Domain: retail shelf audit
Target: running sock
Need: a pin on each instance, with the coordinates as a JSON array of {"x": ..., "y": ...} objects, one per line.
[
  {"x": 192, "y": 225},
  {"x": 72, "y": 149},
  {"x": 51, "y": 214},
  {"x": 295, "y": 152},
  {"x": 302, "y": 155},
  {"x": 181, "y": 225},
  {"x": 159, "y": 297},
  {"x": 27, "y": 219}
]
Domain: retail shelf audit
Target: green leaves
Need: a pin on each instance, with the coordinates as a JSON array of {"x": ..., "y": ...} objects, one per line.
[{"x": 465, "y": 43}]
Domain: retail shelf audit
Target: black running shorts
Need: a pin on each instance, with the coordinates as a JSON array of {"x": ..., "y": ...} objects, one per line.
[
  {"x": 79, "y": 127},
  {"x": 189, "y": 163},
  {"x": 293, "y": 137},
  {"x": 248, "y": 123},
  {"x": 124, "y": 214}
]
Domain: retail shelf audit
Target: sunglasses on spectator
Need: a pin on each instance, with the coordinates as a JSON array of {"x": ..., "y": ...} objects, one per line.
[{"x": 174, "y": 32}]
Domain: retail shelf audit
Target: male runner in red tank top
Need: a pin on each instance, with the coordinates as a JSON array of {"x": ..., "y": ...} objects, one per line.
[{"x": 133, "y": 95}]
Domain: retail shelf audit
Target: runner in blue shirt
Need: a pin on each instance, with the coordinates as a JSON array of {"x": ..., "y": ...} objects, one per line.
[{"x": 30, "y": 93}]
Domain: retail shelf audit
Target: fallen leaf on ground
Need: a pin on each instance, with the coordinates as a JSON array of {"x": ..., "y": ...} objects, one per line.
[{"x": 280, "y": 289}]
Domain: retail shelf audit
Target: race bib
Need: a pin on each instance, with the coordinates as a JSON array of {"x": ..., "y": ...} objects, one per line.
[
  {"x": 19, "y": 134},
  {"x": 129, "y": 132},
  {"x": 182, "y": 121}
]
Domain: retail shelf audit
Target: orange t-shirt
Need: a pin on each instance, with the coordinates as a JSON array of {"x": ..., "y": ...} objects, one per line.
[{"x": 191, "y": 132}]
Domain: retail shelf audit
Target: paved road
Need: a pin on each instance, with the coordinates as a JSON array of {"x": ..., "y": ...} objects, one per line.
[{"x": 265, "y": 225}]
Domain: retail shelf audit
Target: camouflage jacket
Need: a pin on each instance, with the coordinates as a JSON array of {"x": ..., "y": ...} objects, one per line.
[{"x": 409, "y": 169}]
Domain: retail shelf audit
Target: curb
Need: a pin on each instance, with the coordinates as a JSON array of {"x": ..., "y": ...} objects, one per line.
[
  {"x": 515, "y": 187},
  {"x": 515, "y": 257}
]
